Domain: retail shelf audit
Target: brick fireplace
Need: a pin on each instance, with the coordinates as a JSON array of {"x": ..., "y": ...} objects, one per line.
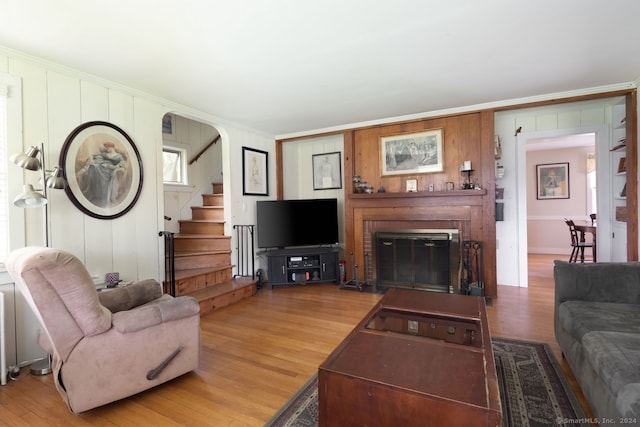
[
  {"x": 466, "y": 137},
  {"x": 460, "y": 210}
]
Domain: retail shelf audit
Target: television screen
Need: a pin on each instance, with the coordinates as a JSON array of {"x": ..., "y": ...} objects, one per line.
[{"x": 288, "y": 223}]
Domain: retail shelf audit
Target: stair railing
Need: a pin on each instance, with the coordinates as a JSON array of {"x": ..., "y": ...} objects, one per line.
[
  {"x": 245, "y": 266},
  {"x": 169, "y": 261},
  {"x": 201, "y": 152}
]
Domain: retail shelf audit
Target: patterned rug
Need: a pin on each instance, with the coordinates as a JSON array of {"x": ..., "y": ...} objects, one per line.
[{"x": 533, "y": 390}]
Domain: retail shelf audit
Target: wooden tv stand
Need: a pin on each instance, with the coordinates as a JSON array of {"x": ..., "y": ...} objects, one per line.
[{"x": 417, "y": 358}]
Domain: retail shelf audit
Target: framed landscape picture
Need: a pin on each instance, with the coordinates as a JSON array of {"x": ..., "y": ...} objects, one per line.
[{"x": 411, "y": 153}]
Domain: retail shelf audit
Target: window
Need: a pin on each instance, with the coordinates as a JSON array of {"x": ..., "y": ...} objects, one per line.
[{"x": 174, "y": 170}]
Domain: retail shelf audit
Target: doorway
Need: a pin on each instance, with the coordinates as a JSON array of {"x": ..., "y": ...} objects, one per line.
[
  {"x": 191, "y": 164},
  {"x": 541, "y": 222}
]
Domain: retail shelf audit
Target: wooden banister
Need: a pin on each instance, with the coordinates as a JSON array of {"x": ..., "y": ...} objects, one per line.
[{"x": 201, "y": 152}]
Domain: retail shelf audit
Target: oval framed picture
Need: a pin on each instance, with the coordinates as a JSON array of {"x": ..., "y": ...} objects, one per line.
[{"x": 103, "y": 170}]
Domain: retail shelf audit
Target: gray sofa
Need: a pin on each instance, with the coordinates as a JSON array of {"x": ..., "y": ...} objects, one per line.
[{"x": 597, "y": 325}]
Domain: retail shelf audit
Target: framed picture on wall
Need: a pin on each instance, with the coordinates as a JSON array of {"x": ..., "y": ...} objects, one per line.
[
  {"x": 552, "y": 181},
  {"x": 327, "y": 171},
  {"x": 411, "y": 153},
  {"x": 103, "y": 170},
  {"x": 167, "y": 124},
  {"x": 255, "y": 176},
  {"x": 622, "y": 165}
]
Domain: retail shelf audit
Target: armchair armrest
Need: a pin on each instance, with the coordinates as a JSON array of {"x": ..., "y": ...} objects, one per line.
[
  {"x": 154, "y": 314},
  {"x": 127, "y": 297},
  {"x": 603, "y": 282}
]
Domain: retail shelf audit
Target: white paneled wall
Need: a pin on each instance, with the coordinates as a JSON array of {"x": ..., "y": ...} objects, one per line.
[
  {"x": 298, "y": 171},
  {"x": 55, "y": 100},
  {"x": 512, "y": 233}
]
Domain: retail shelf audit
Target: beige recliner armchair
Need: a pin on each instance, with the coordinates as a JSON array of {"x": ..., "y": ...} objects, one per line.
[{"x": 109, "y": 345}]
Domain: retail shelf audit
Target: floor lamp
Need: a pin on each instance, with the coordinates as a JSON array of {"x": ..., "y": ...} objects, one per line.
[{"x": 33, "y": 160}]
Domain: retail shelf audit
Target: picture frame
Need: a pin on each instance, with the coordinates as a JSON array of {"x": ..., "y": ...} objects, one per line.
[
  {"x": 412, "y": 153},
  {"x": 622, "y": 165},
  {"x": 327, "y": 171},
  {"x": 552, "y": 181},
  {"x": 103, "y": 170},
  {"x": 255, "y": 172},
  {"x": 167, "y": 124}
]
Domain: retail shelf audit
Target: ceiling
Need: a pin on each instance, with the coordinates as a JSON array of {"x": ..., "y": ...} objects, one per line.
[
  {"x": 562, "y": 142},
  {"x": 288, "y": 66}
]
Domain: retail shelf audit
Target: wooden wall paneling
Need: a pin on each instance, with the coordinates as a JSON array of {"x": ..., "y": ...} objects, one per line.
[
  {"x": 487, "y": 178},
  {"x": 632, "y": 174},
  {"x": 462, "y": 142},
  {"x": 367, "y": 157},
  {"x": 348, "y": 164}
]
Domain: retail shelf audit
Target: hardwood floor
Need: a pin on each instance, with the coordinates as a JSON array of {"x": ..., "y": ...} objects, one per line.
[{"x": 258, "y": 352}]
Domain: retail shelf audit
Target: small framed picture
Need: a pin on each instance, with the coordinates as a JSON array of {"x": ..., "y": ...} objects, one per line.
[
  {"x": 552, "y": 181},
  {"x": 622, "y": 165},
  {"x": 327, "y": 171},
  {"x": 255, "y": 176},
  {"x": 412, "y": 185},
  {"x": 167, "y": 124}
]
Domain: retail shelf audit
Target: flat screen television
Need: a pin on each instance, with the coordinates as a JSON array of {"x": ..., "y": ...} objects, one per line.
[{"x": 289, "y": 223}]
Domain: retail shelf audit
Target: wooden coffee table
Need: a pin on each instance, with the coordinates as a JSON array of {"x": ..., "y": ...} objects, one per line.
[{"x": 418, "y": 358}]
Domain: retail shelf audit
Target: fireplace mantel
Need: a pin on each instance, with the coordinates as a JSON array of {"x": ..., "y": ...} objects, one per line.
[{"x": 418, "y": 194}]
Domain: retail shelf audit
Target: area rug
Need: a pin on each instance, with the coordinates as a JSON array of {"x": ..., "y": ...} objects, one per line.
[{"x": 533, "y": 391}]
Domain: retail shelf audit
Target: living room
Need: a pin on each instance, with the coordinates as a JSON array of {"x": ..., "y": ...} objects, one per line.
[{"x": 48, "y": 100}]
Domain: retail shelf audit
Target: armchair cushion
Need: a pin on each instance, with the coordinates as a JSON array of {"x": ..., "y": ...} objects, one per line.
[
  {"x": 127, "y": 297},
  {"x": 149, "y": 315}
]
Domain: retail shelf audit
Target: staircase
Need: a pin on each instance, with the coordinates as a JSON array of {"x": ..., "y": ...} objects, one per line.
[{"x": 203, "y": 266}]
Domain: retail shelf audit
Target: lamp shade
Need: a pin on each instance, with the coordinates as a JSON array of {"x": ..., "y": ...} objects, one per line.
[
  {"x": 28, "y": 160},
  {"x": 29, "y": 198},
  {"x": 56, "y": 180}
]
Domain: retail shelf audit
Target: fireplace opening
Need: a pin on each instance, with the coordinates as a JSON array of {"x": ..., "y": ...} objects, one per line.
[{"x": 427, "y": 259}]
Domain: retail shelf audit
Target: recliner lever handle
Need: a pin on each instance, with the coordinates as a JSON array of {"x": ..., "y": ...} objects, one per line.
[{"x": 153, "y": 374}]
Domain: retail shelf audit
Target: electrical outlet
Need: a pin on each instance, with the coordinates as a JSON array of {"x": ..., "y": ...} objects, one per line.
[{"x": 412, "y": 326}]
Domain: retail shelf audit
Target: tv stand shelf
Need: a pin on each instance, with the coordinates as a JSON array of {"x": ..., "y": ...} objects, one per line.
[{"x": 302, "y": 265}]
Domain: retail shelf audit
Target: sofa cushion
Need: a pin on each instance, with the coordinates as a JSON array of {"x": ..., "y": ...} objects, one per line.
[
  {"x": 579, "y": 317},
  {"x": 616, "y": 357}
]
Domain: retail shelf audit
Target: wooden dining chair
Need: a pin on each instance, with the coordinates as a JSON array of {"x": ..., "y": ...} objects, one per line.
[
  {"x": 577, "y": 244},
  {"x": 593, "y": 218}
]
